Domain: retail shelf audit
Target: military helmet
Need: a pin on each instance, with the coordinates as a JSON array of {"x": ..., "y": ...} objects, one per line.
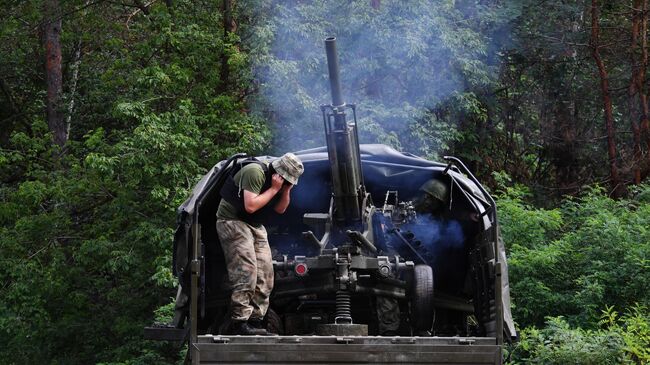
[
  {"x": 436, "y": 189},
  {"x": 289, "y": 167}
]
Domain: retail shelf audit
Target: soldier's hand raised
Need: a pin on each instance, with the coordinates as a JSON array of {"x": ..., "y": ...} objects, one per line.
[
  {"x": 276, "y": 182},
  {"x": 287, "y": 187}
]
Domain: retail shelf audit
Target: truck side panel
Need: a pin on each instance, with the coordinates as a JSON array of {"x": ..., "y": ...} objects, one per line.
[{"x": 345, "y": 350}]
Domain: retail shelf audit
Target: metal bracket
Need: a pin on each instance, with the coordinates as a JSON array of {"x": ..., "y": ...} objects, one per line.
[
  {"x": 345, "y": 340},
  {"x": 220, "y": 339},
  {"x": 466, "y": 341},
  {"x": 290, "y": 340},
  {"x": 446, "y": 170},
  {"x": 403, "y": 341}
]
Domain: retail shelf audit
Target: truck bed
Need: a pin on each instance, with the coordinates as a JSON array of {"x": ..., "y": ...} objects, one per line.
[{"x": 220, "y": 349}]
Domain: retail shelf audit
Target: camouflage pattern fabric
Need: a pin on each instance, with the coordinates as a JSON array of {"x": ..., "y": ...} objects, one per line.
[
  {"x": 250, "y": 269},
  {"x": 388, "y": 315},
  {"x": 289, "y": 167}
]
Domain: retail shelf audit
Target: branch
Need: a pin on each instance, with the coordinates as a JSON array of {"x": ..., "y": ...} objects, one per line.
[
  {"x": 140, "y": 9},
  {"x": 144, "y": 8},
  {"x": 63, "y": 15}
]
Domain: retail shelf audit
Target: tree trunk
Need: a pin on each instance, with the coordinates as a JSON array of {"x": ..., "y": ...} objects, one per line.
[
  {"x": 643, "y": 95},
  {"x": 52, "y": 40},
  {"x": 73, "y": 88},
  {"x": 229, "y": 26},
  {"x": 170, "y": 7},
  {"x": 634, "y": 89},
  {"x": 594, "y": 42},
  {"x": 563, "y": 144}
]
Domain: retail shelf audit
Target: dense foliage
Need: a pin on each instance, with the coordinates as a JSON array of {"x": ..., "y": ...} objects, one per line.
[
  {"x": 579, "y": 277},
  {"x": 153, "y": 93},
  {"x": 86, "y": 232}
]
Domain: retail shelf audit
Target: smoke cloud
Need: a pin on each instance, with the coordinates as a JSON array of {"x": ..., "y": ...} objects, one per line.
[
  {"x": 442, "y": 244},
  {"x": 398, "y": 60},
  {"x": 436, "y": 234}
]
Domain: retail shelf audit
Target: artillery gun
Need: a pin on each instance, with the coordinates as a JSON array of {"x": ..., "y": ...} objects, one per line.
[{"x": 345, "y": 268}]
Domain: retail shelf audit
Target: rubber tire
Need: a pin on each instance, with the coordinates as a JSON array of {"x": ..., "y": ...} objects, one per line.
[{"x": 422, "y": 310}]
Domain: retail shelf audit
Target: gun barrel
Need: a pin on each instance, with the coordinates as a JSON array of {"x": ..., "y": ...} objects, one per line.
[
  {"x": 333, "y": 68},
  {"x": 342, "y": 148}
]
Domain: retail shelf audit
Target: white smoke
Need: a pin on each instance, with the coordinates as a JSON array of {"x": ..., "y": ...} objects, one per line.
[{"x": 397, "y": 59}]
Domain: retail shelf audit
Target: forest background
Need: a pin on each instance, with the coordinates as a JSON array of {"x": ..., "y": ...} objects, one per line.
[{"x": 110, "y": 111}]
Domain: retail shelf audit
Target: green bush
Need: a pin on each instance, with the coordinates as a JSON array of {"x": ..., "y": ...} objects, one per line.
[
  {"x": 557, "y": 343},
  {"x": 575, "y": 261},
  {"x": 572, "y": 270},
  {"x": 620, "y": 340}
]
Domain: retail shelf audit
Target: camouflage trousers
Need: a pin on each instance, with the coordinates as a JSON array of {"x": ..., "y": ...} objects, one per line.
[
  {"x": 388, "y": 315},
  {"x": 250, "y": 268}
]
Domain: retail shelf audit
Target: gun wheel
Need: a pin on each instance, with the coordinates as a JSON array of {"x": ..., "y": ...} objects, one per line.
[{"x": 422, "y": 310}]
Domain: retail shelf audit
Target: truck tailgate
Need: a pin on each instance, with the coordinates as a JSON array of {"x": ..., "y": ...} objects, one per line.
[{"x": 213, "y": 349}]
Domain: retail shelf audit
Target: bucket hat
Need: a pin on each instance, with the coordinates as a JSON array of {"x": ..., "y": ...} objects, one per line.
[{"x": 289, "y": 167}]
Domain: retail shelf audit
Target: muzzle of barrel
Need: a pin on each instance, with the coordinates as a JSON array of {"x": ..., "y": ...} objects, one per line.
[{"x": 333, "y": 68}]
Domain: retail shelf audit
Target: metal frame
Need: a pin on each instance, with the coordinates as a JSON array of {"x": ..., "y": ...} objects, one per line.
[
  {"x": 196, "y": 262},
  {"x": 495, "y": 237}
]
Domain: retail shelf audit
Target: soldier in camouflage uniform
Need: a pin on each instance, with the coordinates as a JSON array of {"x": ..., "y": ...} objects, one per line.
[
  {"x": 249, "y": 196},
  {"x": 388, "y": 316},
  {"x": 432, "y": 200}
]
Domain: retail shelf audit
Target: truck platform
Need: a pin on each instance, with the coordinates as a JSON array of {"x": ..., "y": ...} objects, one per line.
[{"x": 225, "y": 349}]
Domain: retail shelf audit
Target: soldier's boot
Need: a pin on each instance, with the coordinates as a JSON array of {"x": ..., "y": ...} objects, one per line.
[
  {"x": 245, "y": 329},
  {"x": 257, "y": 323}
]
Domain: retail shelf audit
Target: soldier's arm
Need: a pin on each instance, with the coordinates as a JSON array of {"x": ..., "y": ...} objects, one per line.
[
  {"x": 254, "y": 202},
  {"x": 285, "y": 199}
]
